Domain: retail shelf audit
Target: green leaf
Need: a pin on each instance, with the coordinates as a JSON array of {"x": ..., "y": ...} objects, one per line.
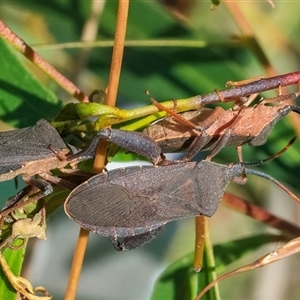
[
  {"x": 23, "y": 99},
  {"x": 231, "y": 251},
  {"x": 14, "y": 259},
  {"x": 179, "y": 279},
  {"x": 175, "y": 281}
]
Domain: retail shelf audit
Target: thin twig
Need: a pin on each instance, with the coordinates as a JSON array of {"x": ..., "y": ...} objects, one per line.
[
  {"x": 101, "y": 151},
  {"x": 136, "y": 43},
  {"x": 260, "y": 214},
  {"x": 89, "y": 34},
  {"x": 250, "y": 37},
  {"x": 20, "y": 45},
  {"x": 199, "y": 243},
  {"x": 258, "y": 86}
]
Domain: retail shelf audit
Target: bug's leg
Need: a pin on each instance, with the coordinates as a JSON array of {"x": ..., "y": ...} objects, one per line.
[
  {"x": 61, "y": 155},
  {"x": 132, "y": 141},
  {"x": 240, "y": 157},
  {"x": 198, "y": 143},
  {"x": 44, "y": 187},
  {"x": 221, "y": 98},
  {"x": 136, "y": 142},
  {"x": 88, "y": 152},
  {"x": 221, "y": 143},
  {"x": 69, "y": 184},
  {"x": 203, "y": 138},
  {"x": 244, "y": 101},
  {"x": 172, "y": 113},
  {"x": 17, "y": 197},
  {"x": 133, "y": 242},
  {"x": 223, "y": 139},
  {"x": 288, "y": 97},
  {"x": 239, "y": 153},
  {"x": 241, "y": 82}
]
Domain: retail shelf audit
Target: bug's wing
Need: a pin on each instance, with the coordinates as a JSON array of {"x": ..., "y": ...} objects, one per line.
[
  {"x": 109, "y": 210},
  {"x": 179, "y": 191},
  {"x": 28, "y": 144},
  {"x": 131, "y": 201}
]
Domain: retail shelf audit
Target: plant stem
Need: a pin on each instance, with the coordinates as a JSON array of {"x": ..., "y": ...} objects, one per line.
[{"x": 99, "y": 162}]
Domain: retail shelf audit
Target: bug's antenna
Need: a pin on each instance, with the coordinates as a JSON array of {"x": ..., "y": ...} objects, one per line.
[
  {"x": 263, "y": 161},
  {"x": 295, "y": 109},
  {"x": 278, "y": 183},
  {"x": 172, "y": 113},
  {"x": 269, "y": 177}
]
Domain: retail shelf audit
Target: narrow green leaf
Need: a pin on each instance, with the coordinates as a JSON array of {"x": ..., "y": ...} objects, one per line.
[
  {"x": 176, "y": 282},
  {"x": 14, "y": 259},
  {"x": 23, "y": 99}
]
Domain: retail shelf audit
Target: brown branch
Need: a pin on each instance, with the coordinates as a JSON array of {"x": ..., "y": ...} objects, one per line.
[
  {"x": 260, "y": 214},
  {"x": 88, "y": 34},
  {"x": 258, "y": 86},
  {"x": 249, "y": 37},
  {"x": 99, "y": 162},
  {"x": 20, "y": 45}
]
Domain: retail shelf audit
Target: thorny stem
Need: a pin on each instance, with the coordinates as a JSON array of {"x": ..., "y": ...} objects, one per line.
[
  {"x": 20, "y": 45},
  {"x": 99, "y": 162},
  {"x": 251, "y": 39},
  {"x": 227, "y": 95}
]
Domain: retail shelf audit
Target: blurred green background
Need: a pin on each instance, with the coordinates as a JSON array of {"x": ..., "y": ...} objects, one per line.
[{"x": 27, "y": 94}]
